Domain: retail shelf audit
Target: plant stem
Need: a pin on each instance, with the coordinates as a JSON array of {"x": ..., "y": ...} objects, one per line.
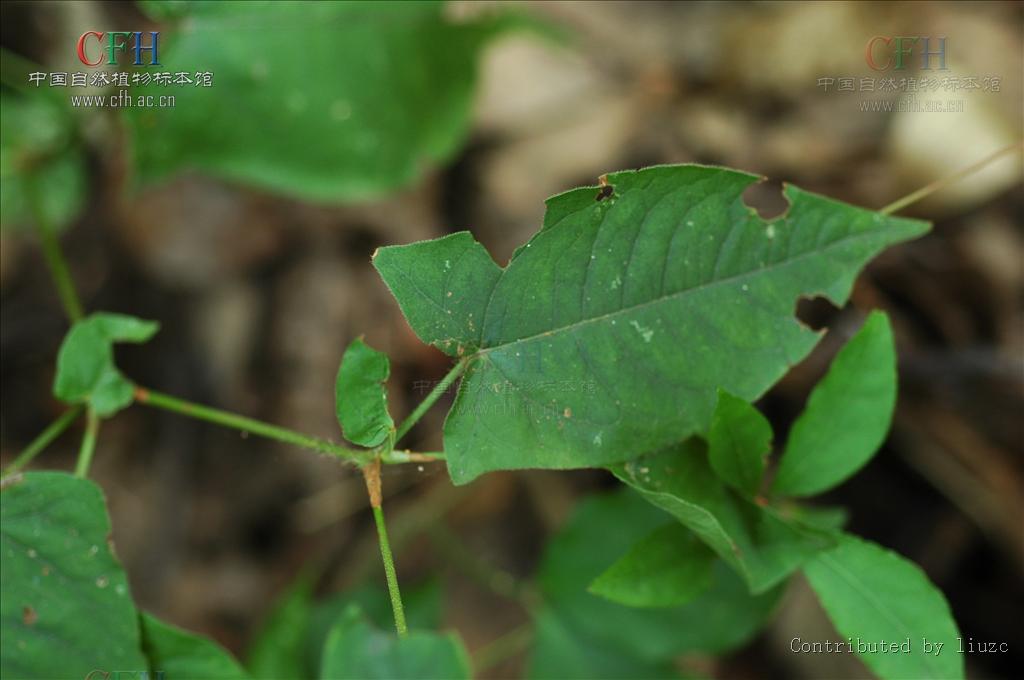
[
  {"x": 434, "y": 395},
  {"x": 259, "y": 428},
  {"x": 504, "y": 647},
  {"x": 92, "y": 428},
  {"x": 390, "y": 573},
  {"x": 371, "y": 472},
  {"x": 54, "y": 257},
  {"x": 942, "y": 182},
  {"x": 498, "y": 581},
  {"x": 44, "y": 439},
  {"x": 248, "y": 425}
]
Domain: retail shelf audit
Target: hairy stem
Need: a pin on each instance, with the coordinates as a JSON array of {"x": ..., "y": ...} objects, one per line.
[
  {"x": 434, "y": 395},
  {"x": 247, "y": 425},
  {"x": 943, "y": 182},
  {"x": 54, "y": 257},
  {"x": 371, "y": 471},
  {"x": 44, "y": 439},
  {"x": 281, "y": 434},
  {"x": 92, "y": 428}
]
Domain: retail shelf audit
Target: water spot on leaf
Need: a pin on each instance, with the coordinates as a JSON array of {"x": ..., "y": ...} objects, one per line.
[
  {"x": 645, "y": 333},
  {"x": 341, "y": 110}
]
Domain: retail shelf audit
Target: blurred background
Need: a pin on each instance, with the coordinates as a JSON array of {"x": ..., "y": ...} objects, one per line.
[{"x": 258, "y": 293}]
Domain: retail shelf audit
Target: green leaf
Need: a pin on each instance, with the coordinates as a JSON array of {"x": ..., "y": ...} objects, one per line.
[
  {"x": 65, "y": 608},
  {"x": 600, "y": 530},
  {"x": 563, "y": 652},
  {"x": 85, "y": 364},
  {"x": 342, "y": 100},
  {"x": 872, "y": 594},
  {"x": 39, "y": 153},
  {"x": 443, "y": 287},
  {"x": 290, "y": 643},
  {"x": 356, "y": 651},
  {"x": 422, "y": 610},
  {"x": 610, "y": 332},
  {"x": 278, "y": 651},
  {"x": 847, "y": 415},
  {"x": 670, "y": 566},
  {"x": 361, "y": 402},
  {"x": 755, "y": 541},
  {"x": 738, "y": 441},
  {"x": 180, "y": 655}
]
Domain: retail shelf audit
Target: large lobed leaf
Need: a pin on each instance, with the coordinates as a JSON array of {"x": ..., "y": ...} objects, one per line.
[
  {"x": 341, "y": 100},
  {"x": 610, "y": 332},
  {"x": 65, "y": 609}
]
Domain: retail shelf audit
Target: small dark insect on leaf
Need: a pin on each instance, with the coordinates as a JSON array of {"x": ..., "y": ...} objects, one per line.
[{"x": 605, "y": 192}]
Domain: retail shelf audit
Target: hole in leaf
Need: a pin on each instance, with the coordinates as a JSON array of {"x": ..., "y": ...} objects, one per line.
[
  {"x": 816, "y": 313},
  {"x": 766, "y": 198}
]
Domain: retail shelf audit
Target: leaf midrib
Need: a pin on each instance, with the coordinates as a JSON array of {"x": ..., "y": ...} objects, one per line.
[
  {"x": 865, "y": 592},
  {"x": 680, "y": 293}
]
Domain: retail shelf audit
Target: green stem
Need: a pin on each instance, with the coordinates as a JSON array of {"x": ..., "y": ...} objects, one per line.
[
  {"x": 498, "y": 581},
  {"x": 502, "y": 648},
  {"x": 54, "y": 257},
  {"x": 942, "y": 182},
  {"x": 399, "y": 456},
  {"x": 248, "y": 425},
  {"x": 434, "y": 395},
  {"x": 44, "y": 439},
  {"x": 92, "y": 428},
  {"x": 389, "y": 572}
]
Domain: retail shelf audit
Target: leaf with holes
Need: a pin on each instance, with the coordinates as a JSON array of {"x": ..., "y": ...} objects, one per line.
[
  {"x": 610, "y": 332},
  {"x": 847, "y": 415},
  {"x": 874, "y": 595},
  {"x": 65, "y": 609},
  {"x": 361, "y": 402}
]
